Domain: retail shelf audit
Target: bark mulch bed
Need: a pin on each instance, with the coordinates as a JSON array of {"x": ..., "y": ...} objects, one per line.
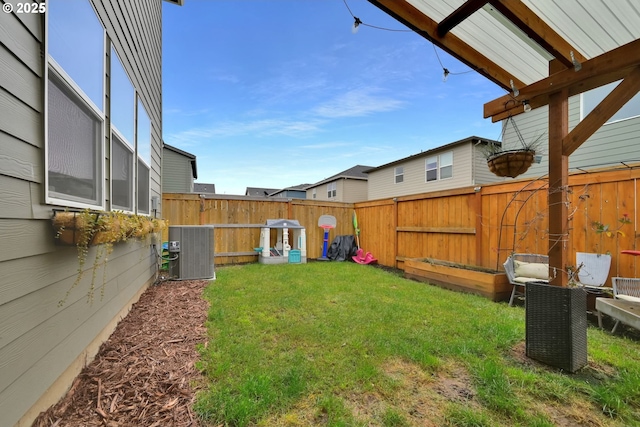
[{"x": 144, "y": 374}]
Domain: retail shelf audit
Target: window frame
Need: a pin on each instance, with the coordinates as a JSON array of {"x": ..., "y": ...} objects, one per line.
[
  {"x": 332, "y": 190},
  {"x": 439, "y": 166},
  {"x": 584, "y": 111},
  {"x": 399, "y": 174},
  {"x": 128, "y": 145},
  {"x": 139, "y": 158},
  {"x": 52, "y": 68}
]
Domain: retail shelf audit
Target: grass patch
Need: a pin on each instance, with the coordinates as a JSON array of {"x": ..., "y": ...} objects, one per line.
[{"x": 340, "y": 344}]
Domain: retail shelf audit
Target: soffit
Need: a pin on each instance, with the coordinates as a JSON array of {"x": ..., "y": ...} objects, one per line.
[{"x": 488, "y": 38}]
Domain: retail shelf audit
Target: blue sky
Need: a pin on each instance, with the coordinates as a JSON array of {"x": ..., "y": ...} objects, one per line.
[{"x": 276, "y": 93}]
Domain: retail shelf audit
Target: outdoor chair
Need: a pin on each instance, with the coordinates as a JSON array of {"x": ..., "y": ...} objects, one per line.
[
  {"x": 625, "y": 289},
  {"x": 523, "y": 268}
]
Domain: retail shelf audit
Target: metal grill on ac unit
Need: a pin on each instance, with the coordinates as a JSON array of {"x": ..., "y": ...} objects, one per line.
[{"x": 192, "y": 252}]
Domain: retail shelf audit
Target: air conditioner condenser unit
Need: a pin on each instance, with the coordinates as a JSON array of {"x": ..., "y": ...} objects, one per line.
[{"x": 191, "y": 249}]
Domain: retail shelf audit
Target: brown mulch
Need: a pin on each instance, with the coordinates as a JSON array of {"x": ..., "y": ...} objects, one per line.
[{"x": 144, "y": 374}]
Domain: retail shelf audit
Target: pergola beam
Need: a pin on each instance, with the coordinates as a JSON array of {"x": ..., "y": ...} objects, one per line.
[
  {"x": 428, "y": 28},
  {"x": 539, "y": 31},
  {"x": 467, "y": 9},
  {"x": 596, "y": 72},
  {"x": 626, "y": 90}
]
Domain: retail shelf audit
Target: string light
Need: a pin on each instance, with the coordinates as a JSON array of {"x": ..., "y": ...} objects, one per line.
[
  {"x": 526, "y": 106},
  {"x": 445, "y": 74},
  {"x": 357, "y": 23}
]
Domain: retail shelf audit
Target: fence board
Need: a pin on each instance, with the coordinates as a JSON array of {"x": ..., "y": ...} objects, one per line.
[{"x": 465, "y": 226}]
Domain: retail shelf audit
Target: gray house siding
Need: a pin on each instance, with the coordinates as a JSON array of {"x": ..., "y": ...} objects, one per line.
[
  {"x": 612, "y": 143},
  {"x": 44, "y": 345},
  {"x": 176, "y": 173}
]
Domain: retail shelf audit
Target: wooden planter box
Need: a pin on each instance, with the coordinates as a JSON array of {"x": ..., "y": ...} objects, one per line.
[{"x": 470, "y": 279}]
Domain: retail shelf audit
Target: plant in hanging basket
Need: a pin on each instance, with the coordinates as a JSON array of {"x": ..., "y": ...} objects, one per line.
[{"x": 511, "y": 162}]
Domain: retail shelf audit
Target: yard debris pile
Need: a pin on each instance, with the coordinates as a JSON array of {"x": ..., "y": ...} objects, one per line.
[{"x": 144, "y": 374}]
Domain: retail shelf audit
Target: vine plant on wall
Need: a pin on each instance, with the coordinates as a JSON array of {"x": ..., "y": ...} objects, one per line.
[{"x": 102, "y": 229}]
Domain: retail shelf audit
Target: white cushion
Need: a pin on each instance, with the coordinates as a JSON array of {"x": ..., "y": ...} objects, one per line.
[
  {"x": 528, "y": 279},
  {"x": 628, "y": 298},
  {"x": 531, "y": 269}
]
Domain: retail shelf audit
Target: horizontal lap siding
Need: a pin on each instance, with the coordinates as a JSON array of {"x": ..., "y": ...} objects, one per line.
[{"x": 38, "y": 339}]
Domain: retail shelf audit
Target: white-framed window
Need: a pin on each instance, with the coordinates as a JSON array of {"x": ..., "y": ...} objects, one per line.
[
  {"x": 591, "y": 98},
  {"x": 74, "y": 113},
  {"x": 314, "y": 193},
  {"x": 398, "y": 174},
  {"x": 332, "y": 189},
  {"x": 446, "y": 165},
  {"x": 143, "y": 144},
  {"x": 439, "y": 167},
  {"x": 75, "y": 117},
  {"x": 123, "y": 101},
  {"x": 431, "y": 168}
]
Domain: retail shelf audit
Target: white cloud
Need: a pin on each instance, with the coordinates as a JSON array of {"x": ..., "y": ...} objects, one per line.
[{"x": 357, "y": 103}]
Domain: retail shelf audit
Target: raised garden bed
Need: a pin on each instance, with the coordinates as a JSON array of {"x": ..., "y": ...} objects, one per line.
[{"x": 464, "y": 278}]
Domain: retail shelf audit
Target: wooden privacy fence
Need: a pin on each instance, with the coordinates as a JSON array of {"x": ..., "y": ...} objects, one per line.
[
  {"x": 474, "y": 226},
  {"x": 238, "y": 220},
  {"x": 483, "y": 225}
]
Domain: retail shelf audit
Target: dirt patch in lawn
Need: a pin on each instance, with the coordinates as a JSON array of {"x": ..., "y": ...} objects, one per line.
[{"x": 144, "y": 374}]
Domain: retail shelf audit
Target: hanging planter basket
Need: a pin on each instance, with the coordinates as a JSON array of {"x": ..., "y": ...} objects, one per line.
[{"x": 511, "y": 163}]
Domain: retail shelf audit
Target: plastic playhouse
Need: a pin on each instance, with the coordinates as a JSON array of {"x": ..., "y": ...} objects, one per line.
[{"x": 282, "y": 251}]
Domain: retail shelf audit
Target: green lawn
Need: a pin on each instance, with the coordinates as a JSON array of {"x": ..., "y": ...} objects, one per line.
[{"x": 342, "y": 344}]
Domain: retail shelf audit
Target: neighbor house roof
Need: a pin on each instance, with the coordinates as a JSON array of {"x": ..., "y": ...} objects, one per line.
[
  {"x": 471, "y": 139},
  {"x": 191, "y": 157},
  {"x": 299, "y": 187},
  {"x": 356, "y": 172},
  {"x": 259, "y": 191},
  {"x": 199, "y": 187}
]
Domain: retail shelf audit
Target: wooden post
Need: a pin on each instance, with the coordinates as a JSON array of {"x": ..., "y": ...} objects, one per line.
[
  {"x": 558, "y": 186},
  {"x": 477, "y": 206}
]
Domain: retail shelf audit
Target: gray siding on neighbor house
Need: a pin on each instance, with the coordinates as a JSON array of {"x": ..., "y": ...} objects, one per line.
[
  {"x": 612, "y": 143},
  {"x": 382, "y": 181},
  {"x": 39, "y": 340},
  {"x": 177, "y": 176}
]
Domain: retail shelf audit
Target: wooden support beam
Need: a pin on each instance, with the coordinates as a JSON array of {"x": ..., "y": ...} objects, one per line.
[
  {"x": 626, "y": 90},
  {"x": 537, "y": 29},
  {"x": 413, "y": 18},
  {"x": 596, "y": 72},
  {"x": 467, "y": 9},
  {"x": 558, "y": 186}
]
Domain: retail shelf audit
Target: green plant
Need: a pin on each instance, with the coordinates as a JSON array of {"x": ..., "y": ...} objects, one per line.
[
  {"x": 605, "y": 230},
  {"x": 345, "y": 344},
  {"x": 102, "y": 229}
]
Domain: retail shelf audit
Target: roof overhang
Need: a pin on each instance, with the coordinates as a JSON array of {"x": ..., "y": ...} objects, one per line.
[{"x": 530, "y": 47}]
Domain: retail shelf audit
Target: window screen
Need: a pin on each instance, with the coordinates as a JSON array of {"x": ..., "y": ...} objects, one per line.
[
  {"x": 121, "y": 175},
  {"x": 74, "y": 146}
]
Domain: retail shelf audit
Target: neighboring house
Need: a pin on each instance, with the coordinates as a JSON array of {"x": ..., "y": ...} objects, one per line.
[
  {"x": 179, "y": 170},
  {"x": 81, "y": 127},
  {"x": 294, "y": 192},
  {"x": 615, "y": 142},
  {"x": 458, "y": 164},
  {"x": 348, "y": 186},
  {"x": 259, "y": 192},
  {"x": 202, "y": 188}
]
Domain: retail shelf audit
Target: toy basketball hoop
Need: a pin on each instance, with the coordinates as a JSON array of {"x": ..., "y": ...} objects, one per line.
[{"x": 326, "y": 222}]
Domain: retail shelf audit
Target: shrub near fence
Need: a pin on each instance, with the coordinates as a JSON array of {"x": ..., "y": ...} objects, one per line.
[{"x": 473, "y": 226}]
